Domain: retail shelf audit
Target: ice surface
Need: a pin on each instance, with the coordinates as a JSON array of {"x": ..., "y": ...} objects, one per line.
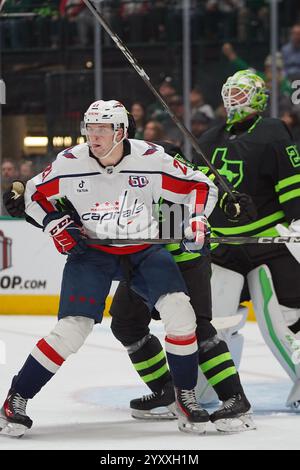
[{"x": 86, "y": 405}]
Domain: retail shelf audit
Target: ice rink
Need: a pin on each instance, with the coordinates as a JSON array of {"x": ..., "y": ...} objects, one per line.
[{"x": 86, "y": 405}]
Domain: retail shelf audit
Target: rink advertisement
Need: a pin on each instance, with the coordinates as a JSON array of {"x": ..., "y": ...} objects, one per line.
[{"x": 30, "y": 270}]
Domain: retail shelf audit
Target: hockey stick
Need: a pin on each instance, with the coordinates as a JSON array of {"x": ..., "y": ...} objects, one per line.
[
  {"x": 165, "y": 241},
  {"x": 2, "y": 2},
  {"x": 132, "y": 60}
]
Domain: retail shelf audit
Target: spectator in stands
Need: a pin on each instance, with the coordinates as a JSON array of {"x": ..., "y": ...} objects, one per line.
[
  {"x": 172, "y": 132},
  {"x": 77, "y": 14},
  {"x": 291, "y": 54},
  {"x": 8, "y": 173},
  {"x": 291, "y": 119},
  {"x": 238, "y": 63},
  {"x": 47, "y": 25},
  {"x": 138, "y": 112},
  {"x": 166, "y": 89},
  {"x": 156, "y": 21},
  {"x": 220, "y": 115},
  {"x": 257, "y": 18},
  {"x": 221, "y": 18},
  {"x": 198, "y": 103},
  {"x": 25, "y": 171},
  {"x": 200, "y": 124},
  {"x": 17, "y": 33},
  {"x": 153, "y": 131},
  {"x": 133, "y": 19}
]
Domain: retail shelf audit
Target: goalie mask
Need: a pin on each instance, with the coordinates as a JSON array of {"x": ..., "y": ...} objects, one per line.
[
  {"x": 106, "y": 112},
  {"x": 243, "y": 94}
]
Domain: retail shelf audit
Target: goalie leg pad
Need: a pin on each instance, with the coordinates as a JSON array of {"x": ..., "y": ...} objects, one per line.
[
  {"x": 273, "y": 321},
  {"x": 226, "y": 288}
]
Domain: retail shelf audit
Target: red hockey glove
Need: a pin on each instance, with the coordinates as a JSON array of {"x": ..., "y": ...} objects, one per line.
[{"x": 65, "y": 233}]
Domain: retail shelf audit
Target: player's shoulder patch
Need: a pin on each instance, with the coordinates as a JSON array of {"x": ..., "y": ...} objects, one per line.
[
  {"x": 145, "y": 148},
  {"x": 73, "y": 153},
  {"x": 151, "y": 148},
  {"x": 67, "y": 153}
]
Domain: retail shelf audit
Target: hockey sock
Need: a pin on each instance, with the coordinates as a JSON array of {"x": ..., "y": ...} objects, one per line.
[
  {"x": 150, "y": 362},
  {"x": 218, "y": 367},
  {"x": 38, "y": 369},
  {"x": 182, "y": 354}
]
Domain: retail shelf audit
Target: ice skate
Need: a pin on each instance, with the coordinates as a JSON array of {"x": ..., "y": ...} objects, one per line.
[
  {"x": 13, "y": 419},
  {"x": 234, "y": 415},
  {"x": 191, "y": 417},
  {"x": 155, "y": 406}
]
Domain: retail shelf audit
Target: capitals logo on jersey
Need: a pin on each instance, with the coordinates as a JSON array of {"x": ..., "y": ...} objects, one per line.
[{"x": 138, "y": 181}]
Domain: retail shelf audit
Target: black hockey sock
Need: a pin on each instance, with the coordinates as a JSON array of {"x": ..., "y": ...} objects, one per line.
[
  {"x": 150, "y": 362},
  {"x": 218, "y": 367}
]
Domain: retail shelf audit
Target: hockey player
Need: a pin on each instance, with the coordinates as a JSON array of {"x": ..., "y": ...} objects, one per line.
[
  {"x": 131, "y": 318},
  {"x": 111, "y": 182},
  {"x": 258, "y": 156}
]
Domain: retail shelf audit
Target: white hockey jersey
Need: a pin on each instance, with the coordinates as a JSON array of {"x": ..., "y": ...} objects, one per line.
[{"x": 117, "y": 201}]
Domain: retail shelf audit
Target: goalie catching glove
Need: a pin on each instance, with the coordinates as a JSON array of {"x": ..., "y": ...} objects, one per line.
[
  {"x": 241, "y": 209},
  {"x": 65, "y": 233},
  {"x": 196, "y": 235}
]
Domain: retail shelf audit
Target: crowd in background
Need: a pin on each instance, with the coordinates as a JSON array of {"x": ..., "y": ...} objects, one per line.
[
  {"x": 156, "y": 20},
  {"x": 69, "y": 22}
]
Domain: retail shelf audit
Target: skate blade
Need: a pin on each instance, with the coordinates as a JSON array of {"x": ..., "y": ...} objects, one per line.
[
  {"x": 192, "y": 428},
  {"x": 156, "y": 414},
  {"x": 11, "y": 429},
  {"x": 234, "y": 425}
]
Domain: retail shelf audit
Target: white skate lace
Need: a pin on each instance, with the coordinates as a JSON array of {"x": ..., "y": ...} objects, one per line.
[
  {"x": 150, "y": 396},
  {"x": 188, "y": 398},
  {"x": 19, "y": 404},
  {"x": 227, "y": 404}
]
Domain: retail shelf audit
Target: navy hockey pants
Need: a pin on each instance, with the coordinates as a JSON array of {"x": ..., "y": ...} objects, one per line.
[{"x": 87, "y": 279}]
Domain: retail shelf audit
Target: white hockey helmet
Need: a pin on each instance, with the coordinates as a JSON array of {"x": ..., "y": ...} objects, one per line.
[{"x": 106, "y": 112}]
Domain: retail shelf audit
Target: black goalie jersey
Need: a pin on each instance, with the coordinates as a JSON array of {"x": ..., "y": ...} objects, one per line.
[{"x": 258, "y": 158}]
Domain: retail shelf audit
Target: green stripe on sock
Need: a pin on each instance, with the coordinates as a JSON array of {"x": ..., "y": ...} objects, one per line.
[
  {"x": 150, "y": 362},
  {"x": 155, "y": 375},
  {"x": 215, "y": 361},
  {"x": 222, "y": 376}
]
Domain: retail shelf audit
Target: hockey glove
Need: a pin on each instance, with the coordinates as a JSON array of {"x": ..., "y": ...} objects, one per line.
[
  {"x": 196, "y": 236},
  {"x": 65, "y": 233},
  {"x": 241, "y": 210},
  {"x": 13, "y": 199}
]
